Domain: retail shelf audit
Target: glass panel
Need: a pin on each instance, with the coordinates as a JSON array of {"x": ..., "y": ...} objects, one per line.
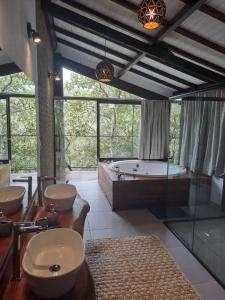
[
  {"x": 3, "y": 131},
  {"x": 76, "y": 132},
  {"x": 81, "y": 152},
  {"x": 24, "y": 153},
  {"x": 200, "y": 219},
  {"x": 23, "y": 134},
  {"x": 119, "y": 130}
]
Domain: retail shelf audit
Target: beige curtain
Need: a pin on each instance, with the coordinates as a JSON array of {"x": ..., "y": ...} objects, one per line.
[
  {"x": 202, "y": 136},
  {"x": 153, "y": 142}
]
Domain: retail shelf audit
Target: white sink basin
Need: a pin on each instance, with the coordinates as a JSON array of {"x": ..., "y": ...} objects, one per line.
[
  {"x": 11, "y": 198},
  {"x": 52, "y": 260},
  {"x": 61, "y": 195}
]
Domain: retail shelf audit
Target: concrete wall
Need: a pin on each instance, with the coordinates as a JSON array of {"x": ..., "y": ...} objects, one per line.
[
  {"x": 14, "y": 15},
  {"x": 44, "y": 94}
]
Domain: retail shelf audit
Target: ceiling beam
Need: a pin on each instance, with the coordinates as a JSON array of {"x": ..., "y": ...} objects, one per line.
[
  {"x": 157, "y": 53},
  {"x": 101, "y": 47},
  {"x": 118, "y": 83},
  {"x": 197, "y": 59},
  {"x": 179, "y": 18},
  {"x": 127, "y": 28},
  {"x": 118, "y": 64}
]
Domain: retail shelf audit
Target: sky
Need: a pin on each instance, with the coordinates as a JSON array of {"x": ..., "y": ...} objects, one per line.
[{"x": 66, "y": 75}]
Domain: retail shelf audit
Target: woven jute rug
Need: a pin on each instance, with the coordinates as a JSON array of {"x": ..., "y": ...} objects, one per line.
[{"x": 136, "y": 268}]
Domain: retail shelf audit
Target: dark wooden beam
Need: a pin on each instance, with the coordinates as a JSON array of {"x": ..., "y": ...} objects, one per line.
[
  {"x": 179, "y": 18},
  {"x": 120, "y": 84},
  {"x": 101, "y": 47},
  {"x": 116, "y": 63},
  {"x": 130, "y": 65},
  {"x": 8, "y": 69},
  {"x": 197, "y": 59},
  {"x": 158, "y": 53}
]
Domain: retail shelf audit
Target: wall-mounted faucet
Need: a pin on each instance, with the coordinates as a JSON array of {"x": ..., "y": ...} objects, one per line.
[
  {"x": 29, "y": 181},
  {"x": 18, "y": 229}
]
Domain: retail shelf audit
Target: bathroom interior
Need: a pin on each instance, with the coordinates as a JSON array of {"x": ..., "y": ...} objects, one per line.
[{"x": 103, "y": 180}]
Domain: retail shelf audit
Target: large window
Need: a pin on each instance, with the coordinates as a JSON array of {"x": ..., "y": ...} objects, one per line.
[
  {"x": 18, "y": 141},
  {"x": 88, "y": 130}
]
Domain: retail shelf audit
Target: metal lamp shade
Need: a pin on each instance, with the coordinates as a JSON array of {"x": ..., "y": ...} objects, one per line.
[
  {"x": 151, "y": 13},
  {"x": 104, "y": 71}
]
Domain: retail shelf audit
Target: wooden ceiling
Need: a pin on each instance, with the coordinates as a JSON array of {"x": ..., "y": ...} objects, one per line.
[{"x": 188, "y": 51}]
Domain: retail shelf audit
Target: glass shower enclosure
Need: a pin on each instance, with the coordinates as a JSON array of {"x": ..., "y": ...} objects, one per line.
[{"x": 197, "y": 142}]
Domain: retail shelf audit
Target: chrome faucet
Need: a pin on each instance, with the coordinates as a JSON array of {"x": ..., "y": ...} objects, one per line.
[
  {"x": 29, "y": 181},
  {"x": 18, "y": 229}
]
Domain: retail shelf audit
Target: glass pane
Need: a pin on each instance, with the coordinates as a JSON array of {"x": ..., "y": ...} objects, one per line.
[
  {"x": 201, "y": 221},
  {"x": 81, "y": 152},
  {"x": 119, "y": 130},
  {"x": 23, "y": 134},
  {"x": 116, "y": 147},
  {"x": 80, "y": 134},
  {"x": 3, "y": 131},
  {"x": 24, "y": 153}
]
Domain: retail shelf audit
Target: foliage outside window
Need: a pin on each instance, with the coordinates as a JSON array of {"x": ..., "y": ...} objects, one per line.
[{"x": 22, "y": 122}]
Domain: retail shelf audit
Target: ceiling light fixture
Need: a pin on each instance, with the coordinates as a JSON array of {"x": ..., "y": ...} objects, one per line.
[
  {"x": 151, "y": 13},
  {"x": 33, "y": 34},
  {"x": 104, "y": 70},
  {"x": 56, "y": 75}
]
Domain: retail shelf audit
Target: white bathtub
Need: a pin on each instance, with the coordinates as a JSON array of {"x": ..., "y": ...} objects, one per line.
[{"x": 144, "y": 168}]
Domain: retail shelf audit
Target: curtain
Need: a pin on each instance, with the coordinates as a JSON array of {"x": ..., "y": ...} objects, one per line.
[
  {"x": 202, "y": 136},
  {"x": 153, "y": 142}
]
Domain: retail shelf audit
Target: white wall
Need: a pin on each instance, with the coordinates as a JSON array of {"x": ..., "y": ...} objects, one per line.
[{"x": 14, "y": 15}]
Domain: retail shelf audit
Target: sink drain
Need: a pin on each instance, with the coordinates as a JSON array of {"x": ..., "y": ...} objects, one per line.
[{"x": 54, "y": 268}]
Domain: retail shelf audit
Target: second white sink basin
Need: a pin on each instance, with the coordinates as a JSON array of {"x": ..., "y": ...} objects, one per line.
[
  {"x": 61, "y": 195},
  {"x": 11, "y": 198},
  {"x": 52, "y": 260}
]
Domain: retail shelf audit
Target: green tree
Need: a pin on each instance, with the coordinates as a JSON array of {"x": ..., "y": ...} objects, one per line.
[
  {"x": 118, "y": 132},
  {"x": 23, "y": 123}
]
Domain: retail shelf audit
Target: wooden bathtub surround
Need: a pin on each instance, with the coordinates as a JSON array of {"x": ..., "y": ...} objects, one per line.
[
  {"x": 142, "y": 192},
  {"x": 83, "y": 285}
]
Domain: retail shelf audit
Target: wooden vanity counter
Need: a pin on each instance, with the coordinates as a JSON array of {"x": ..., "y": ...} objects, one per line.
[{"x": 83, "y": 285}]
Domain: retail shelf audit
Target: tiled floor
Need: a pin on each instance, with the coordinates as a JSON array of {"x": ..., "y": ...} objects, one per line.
[{"x": 102, "y": 222}]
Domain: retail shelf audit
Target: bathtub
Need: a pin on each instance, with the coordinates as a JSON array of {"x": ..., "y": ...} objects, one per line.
[
  {"x": 143, "y": 168},
  {"x": 143, "y": 184}
]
